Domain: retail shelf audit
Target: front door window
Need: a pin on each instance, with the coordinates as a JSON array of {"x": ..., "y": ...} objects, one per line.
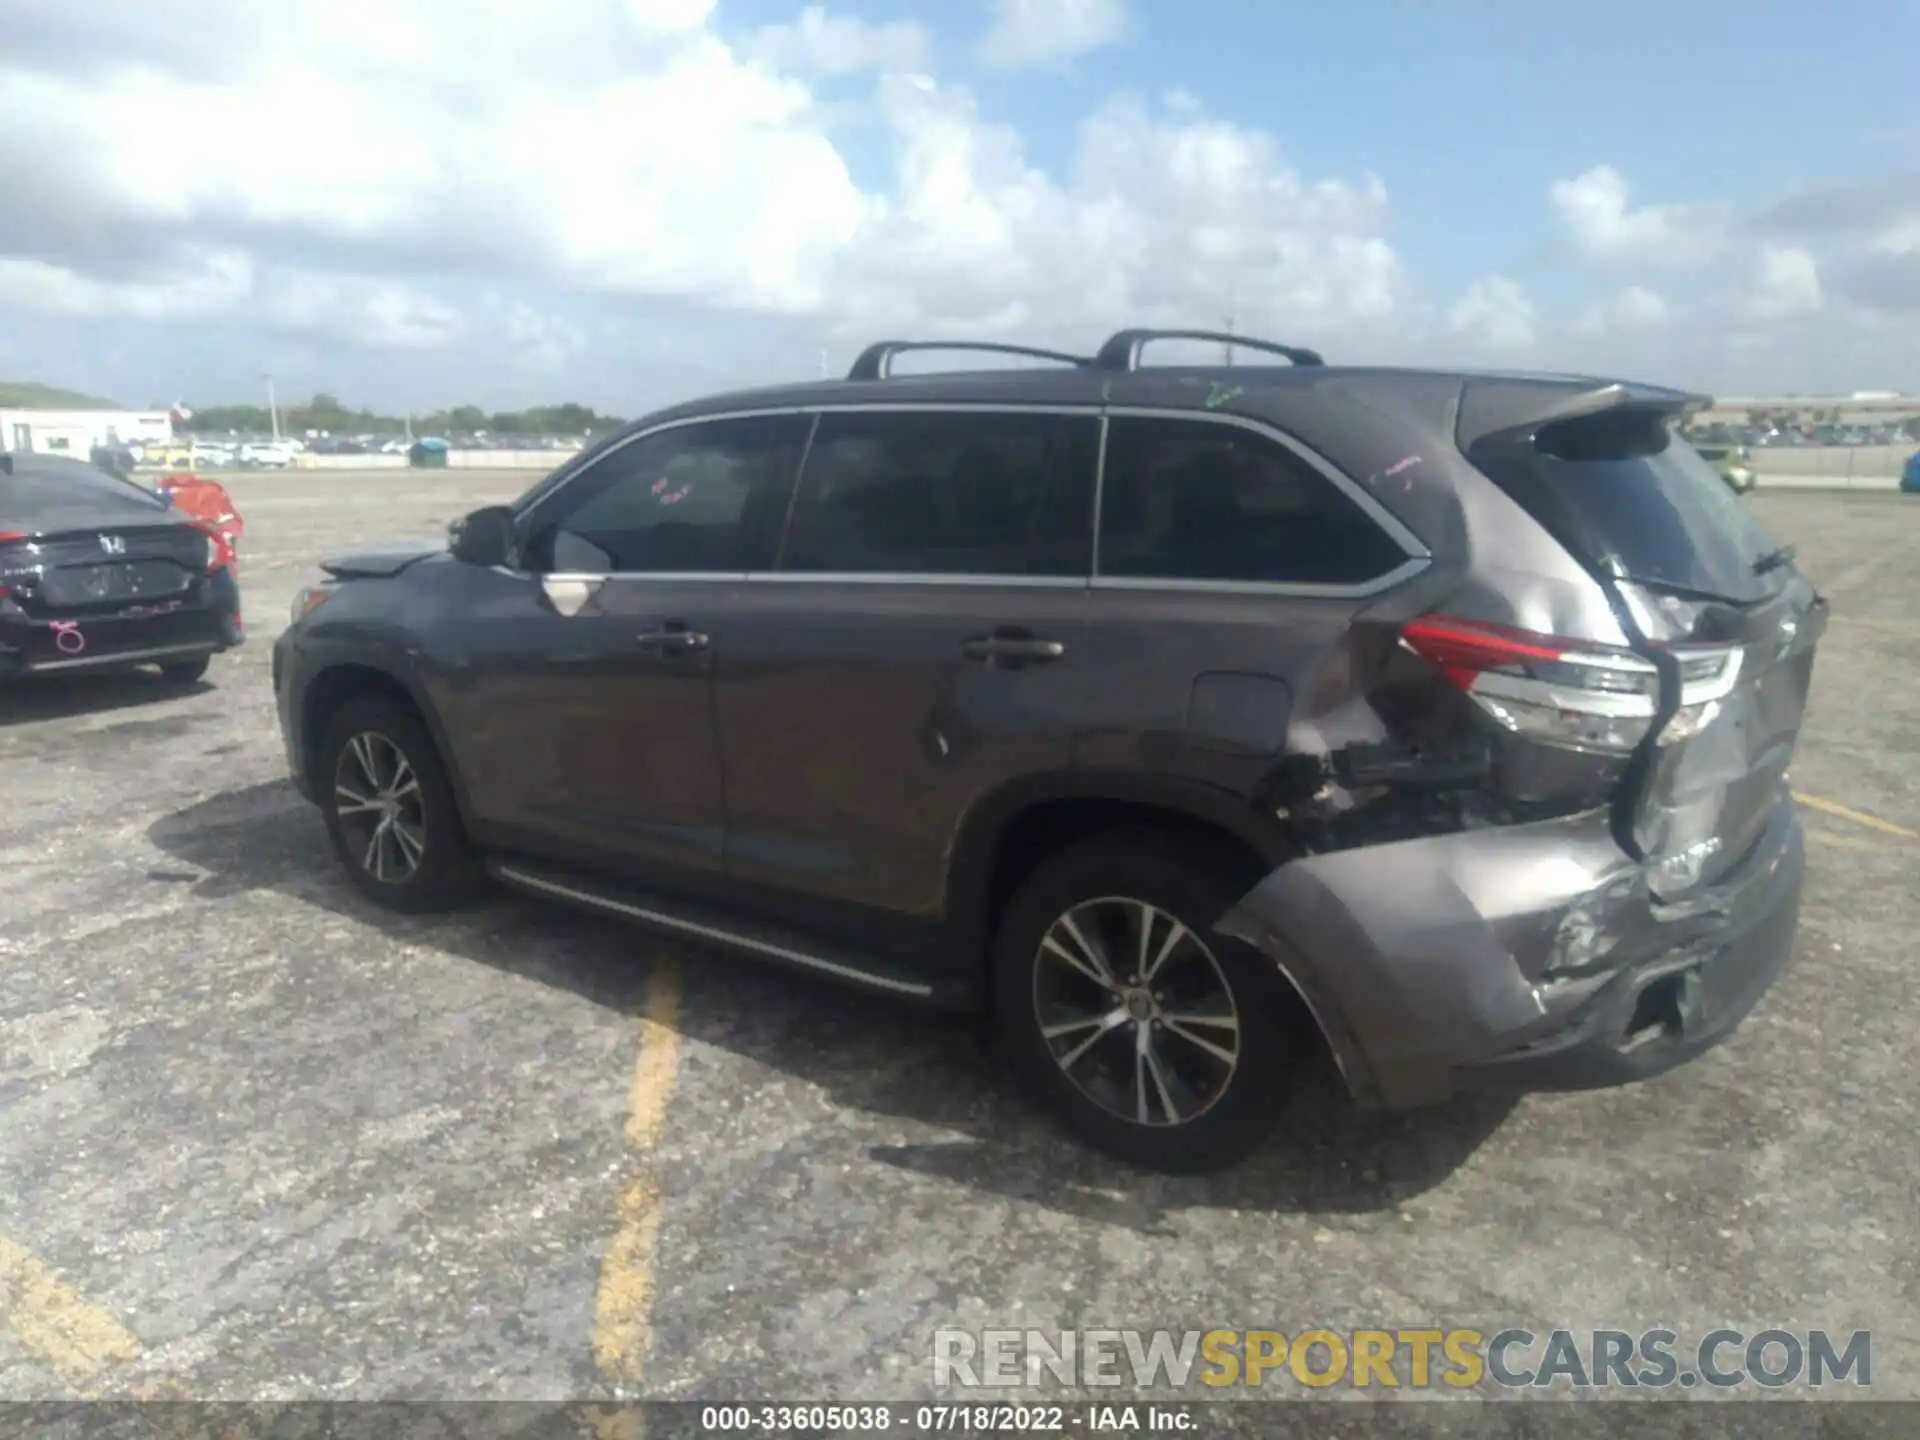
[{"x": 704, "y": 498}]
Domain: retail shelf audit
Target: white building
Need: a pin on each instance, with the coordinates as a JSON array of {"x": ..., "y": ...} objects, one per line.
[{"x": 76, "y": 432}]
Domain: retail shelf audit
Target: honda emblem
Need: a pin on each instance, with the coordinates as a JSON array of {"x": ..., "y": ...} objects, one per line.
[{"x": 113, "y": 544}]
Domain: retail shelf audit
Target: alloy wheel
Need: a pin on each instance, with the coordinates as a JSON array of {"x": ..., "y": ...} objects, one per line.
[
  {"x": 1136, "y": 1011},
  {"x": 376, "y": 796}
]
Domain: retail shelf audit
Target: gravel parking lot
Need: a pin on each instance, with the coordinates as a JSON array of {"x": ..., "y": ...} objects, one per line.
[{"x": 259, "y": 1141}]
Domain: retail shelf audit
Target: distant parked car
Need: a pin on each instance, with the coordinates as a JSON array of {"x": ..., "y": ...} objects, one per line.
[
  {"x": 271, "y": 454},
  {"x": 1730, "y": 462}
]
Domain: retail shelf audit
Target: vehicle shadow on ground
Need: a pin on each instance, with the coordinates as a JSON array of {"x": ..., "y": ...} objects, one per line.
[
  {"x": 27, "y": 699},
  {"x": 868, "y": 1054}
]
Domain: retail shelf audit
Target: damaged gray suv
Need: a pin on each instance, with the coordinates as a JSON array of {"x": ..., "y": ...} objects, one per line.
[{"x": 1185, "y": 719}]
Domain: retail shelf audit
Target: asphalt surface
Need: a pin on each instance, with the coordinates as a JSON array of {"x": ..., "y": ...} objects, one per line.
[{"x": 259, "y": 1141}]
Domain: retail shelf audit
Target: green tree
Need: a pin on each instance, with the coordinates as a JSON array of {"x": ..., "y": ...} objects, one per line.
[{"x": 329, "y": 413}]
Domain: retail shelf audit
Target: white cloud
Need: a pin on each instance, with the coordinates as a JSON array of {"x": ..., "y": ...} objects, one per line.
[
  {"x": 1043, "y": 32},
  {"x": 693, "y": 173},
  {"x": 1788, "y": 284},
  {"x": 1634, "y": 308},
  {"x": 1595, "y": 210},
  {"x": 222, "y": 284},
  {"x": 1165, "y": 217},
  {"x": 493, "y": 191},
  {"x": 1900, "y": 237},
  {"x": 1864, "y": 237},
  {"x": 1497, "y": 313},
  {"x": 357, "y": 310},
  {"x": 669, "y": 16},
  {"x": 635, "y": 153},
  {"x": 841, "y": 45},
  {"x": 538, "y": 342},
  {"x": 215, "y": 283}
]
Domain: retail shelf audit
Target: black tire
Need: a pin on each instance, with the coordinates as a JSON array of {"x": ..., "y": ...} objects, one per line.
[
  {"x": 185, "y": 672},
  {"x": 444, "y": 873},
  {"x": 1253, "y": 1091}
]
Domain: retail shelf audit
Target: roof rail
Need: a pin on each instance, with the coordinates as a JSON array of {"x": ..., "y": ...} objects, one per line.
[
  {"x": 1122, "y": 351},
  {"x": 876, "y": 361}
]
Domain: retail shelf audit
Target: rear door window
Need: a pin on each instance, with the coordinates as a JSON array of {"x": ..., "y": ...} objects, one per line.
[
  {"x": 946, "y": 493},
  {"x": 1202, "y": 500},
  {"x": 1630, "y": 496}
]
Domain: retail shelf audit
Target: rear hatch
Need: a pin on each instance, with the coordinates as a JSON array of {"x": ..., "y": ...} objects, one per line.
[{"x": 1713, "y": 603}]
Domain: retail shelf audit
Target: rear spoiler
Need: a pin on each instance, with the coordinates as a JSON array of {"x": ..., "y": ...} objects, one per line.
[{"x": 1523, "y": 404}]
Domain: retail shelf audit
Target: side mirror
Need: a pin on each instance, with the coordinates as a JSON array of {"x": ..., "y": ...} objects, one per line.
[{"x": 484, "y": 537}]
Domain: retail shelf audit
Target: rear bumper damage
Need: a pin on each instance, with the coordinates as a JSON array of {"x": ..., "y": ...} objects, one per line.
[{"x": 1526, "y": 957}]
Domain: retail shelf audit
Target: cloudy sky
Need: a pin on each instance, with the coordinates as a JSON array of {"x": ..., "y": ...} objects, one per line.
[{"x": 412, "y": 203}]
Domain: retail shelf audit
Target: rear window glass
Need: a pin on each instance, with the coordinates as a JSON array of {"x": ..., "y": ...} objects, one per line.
[
  {"x": 1629, "y": 495},
  {"x": 49, "y": 485},
  {"x": 1204, "y": 500}
]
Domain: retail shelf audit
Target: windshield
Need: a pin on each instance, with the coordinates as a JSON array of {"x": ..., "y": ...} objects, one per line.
[{"x": 1631, "y": 496}]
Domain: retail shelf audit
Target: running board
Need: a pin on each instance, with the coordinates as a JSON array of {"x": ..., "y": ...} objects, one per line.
[{"x": 677, "y": 917}]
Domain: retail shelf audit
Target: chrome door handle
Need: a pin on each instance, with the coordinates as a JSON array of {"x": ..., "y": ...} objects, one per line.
[
  {"x": 1001, "y": 649},
  {"x": 672, "y": 638}
]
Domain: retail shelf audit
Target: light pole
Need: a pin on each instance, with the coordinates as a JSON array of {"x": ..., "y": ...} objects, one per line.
[
  {"x": 273, "y": 410},
  {"x": 1226, "y": 351}
]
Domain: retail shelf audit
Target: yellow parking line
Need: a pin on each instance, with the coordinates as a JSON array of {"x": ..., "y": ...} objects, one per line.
[
  {"x": 659, "y": 1061},
  {"x": 1872, "y": 822},
  {"x": 621, "y": 1328},
  {"x": 612, "y": 1422},
  {"x": 56, "y": 1324}
]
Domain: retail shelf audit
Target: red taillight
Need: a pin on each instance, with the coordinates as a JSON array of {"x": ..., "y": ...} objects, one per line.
[
  {"x": 1547, "y": 688},
  {"x": 220, "y": 552},
  {"x": 1571, "y": 692},
  {"x": 1464, "y": 649}
]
